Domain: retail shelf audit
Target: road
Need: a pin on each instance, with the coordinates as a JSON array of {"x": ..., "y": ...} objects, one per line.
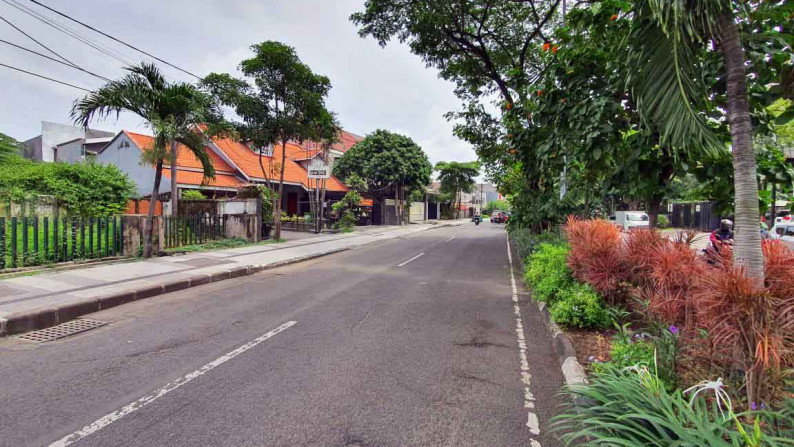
[{"x": 407, "y": 342}]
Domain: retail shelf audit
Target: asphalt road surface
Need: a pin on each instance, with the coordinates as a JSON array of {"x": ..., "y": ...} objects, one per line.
[{"x": 408, "y": 342}]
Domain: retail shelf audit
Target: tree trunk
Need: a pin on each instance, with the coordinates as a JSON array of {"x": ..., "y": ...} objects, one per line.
[
  {"x": 397, "y": 203},
  {"x": 148, "y": 224},
  {"x": 277, "y": 207},
  {"x": 174, "y": 190},
  {"x": 654, "y": 202},
  {"x": 747, "y": 237}
]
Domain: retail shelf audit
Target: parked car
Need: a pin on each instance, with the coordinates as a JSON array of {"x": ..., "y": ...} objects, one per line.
[
  {"x": 497, "y": 217},
  {"x": 630, "y": 219},
  {"x": 785, "y": 232}
]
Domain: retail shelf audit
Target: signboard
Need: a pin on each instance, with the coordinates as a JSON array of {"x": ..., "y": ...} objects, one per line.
[
  {"x": 366, "y": 202},
  {"x": 319, "y": 168}
]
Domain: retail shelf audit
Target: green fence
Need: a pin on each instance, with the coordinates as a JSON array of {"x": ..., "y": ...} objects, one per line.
[
  {"x": 193, "y": 229},
  {"x": 29, "y": 241}
]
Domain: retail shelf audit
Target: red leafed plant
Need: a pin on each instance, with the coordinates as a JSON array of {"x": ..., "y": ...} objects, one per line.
[
  {"x": 675, "y": 268},
  {"x": 641, "y": 245},
  {"x": 596, "y": 256},
  {"x": 751, "y": 321}
]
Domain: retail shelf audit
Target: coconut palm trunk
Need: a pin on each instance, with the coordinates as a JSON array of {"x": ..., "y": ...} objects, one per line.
[
  {"x": 747, "y": 242},
  {"x": 174, "y": 190},
  {"x": 148, "y": 229}
]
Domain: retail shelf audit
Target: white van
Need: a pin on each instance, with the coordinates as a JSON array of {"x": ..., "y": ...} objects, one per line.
[
  {"x": 785, "y": 232},
  {"x": 631, "y": 219}
]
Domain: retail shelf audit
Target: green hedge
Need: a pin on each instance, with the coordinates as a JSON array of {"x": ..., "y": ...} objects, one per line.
[{"x": 571, "y": 304}]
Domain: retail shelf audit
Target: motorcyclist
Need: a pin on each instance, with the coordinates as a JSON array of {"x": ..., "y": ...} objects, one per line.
[
  {"x": 477, "y": 218},
  {"x": 722, "y": 235}
]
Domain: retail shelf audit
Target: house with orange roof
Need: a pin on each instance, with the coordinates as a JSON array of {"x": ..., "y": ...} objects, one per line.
[{"x": 236, "y": 163}]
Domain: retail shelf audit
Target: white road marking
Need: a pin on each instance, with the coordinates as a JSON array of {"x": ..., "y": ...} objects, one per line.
[
  {"x": 110, "y": 418},
  {"x": 453, "y": 237},
  {"x": 415, "y": 257},
  {"x": 526, "y": 377}
]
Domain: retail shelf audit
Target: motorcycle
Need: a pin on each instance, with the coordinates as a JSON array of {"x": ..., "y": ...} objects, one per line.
[{"x": 477, "y": 221}]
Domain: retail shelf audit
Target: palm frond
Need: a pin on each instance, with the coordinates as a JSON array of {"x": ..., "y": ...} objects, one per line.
[
  {"x": 195, "y": 142},
  {"x": 668, "y": 91}
]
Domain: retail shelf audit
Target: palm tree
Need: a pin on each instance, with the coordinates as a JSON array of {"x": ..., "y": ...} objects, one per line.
[
  {"x": 671, "y": 34},
  {"x": 174, "y": 112}
]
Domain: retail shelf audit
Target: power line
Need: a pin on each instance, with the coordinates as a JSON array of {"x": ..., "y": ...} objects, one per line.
[
  {"x": 114, "y": 38},
  {"x": 68, "y": 31},
  {"x": 33, "y": 39},
  {"x": 45, "y": 77},
  {"x": 53, "y": 59}
]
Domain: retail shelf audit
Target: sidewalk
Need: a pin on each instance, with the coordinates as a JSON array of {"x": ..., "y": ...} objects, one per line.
[{"x": 48, "y": 299}]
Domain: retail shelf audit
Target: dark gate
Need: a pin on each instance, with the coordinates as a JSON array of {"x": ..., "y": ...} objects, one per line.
[{"x": 701, "y": 216}]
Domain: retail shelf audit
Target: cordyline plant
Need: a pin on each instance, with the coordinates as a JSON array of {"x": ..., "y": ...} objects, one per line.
[
  {"x": 753, "y": 321},
  {"x": 596, "y": 257}
]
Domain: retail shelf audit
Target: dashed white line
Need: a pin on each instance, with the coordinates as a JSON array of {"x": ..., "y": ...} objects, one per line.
[
  {"x": 526, "y": 377},
  {"x": 453, "y": 237},
  {"x": 406, "y": 262},
  {"x": 110, "y": 418}
]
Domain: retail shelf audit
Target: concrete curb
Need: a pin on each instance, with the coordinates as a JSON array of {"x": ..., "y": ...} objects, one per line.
[
  {"x": 572, "y": 370},
  {"x": 52, "y": 316}
]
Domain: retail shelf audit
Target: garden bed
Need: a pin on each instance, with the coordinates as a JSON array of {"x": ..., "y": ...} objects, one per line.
[{"x": 680, "y": 341}]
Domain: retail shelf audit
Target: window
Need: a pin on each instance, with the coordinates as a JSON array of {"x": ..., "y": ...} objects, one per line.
[
  {"x": 637, "y": 217},
  {"x": 780, "y": 231},
  {"x": 789, "y": 231}
]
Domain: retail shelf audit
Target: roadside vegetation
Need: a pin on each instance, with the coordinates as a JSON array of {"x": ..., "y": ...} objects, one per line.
[
  {"x": 220, "y": 244},
  {"x": 690, "y": 336}
]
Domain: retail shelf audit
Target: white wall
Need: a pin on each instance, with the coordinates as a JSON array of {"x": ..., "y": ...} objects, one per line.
[
  {"x": 71, "y": 152},
  {"x": 128, "y": 159},
  {"x": 53, "y": 134},
  {"x": 417, "y": 212}
]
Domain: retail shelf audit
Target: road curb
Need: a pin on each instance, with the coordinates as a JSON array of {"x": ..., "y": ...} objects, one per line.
[
  {"x": 51, "y": 316},
  {"x": 573, "y": 372}
]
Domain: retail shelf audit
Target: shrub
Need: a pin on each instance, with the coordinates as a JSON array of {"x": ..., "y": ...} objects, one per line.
[
  {"x": 748, "y": 322},
  {"x": 526, "y": 241},
  {"x": 596, "y": 256},
  {"x": 85, "y": 189},
  {"x": 640, "y": 248},
  {"x": 547, "y": 272},
  {"x": 662, "y": 221},
  {"x": 633, "y": 408},
  {"x": 628, "y": 352},
  {"x": 675, "y": 269},
  {"x": 579, "y": 306},
  {"x": 193, "y": 194}
]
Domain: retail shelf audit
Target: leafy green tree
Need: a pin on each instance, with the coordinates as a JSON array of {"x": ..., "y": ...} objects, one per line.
[
  {"x": 8, "y": 147},
  {"x": 387, "y": 163},
  {"x": 281, "y": 100},
  {"x": 347, "y": 208},
  {"x": 174, "y": 113},
  {"x": 501, "y": 205},
  {"x": 84, "y": 189},
  {"x": 457, "y": 178}
]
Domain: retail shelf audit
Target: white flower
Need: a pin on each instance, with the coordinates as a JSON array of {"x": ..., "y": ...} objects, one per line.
[{"x": 720, "y": 395}]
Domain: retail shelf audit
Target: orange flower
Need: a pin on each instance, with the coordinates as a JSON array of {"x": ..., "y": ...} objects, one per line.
[
  {"x": 513, "y": 151},
  {"x": 509, "y": 105},
  {"x": 614, "y": 17},
  {"x": 546, "y": 46},
  {"x": 540, "y": 92},
  {"x": 564, "y": 99},
  {"x": 554, "y": 49}
]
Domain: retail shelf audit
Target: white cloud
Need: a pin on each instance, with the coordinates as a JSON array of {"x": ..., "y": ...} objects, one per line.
[{"x": 372, "y": 87}]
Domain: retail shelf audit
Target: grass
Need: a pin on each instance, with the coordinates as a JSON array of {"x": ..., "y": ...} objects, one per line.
[{"x": 221, "y": 244}]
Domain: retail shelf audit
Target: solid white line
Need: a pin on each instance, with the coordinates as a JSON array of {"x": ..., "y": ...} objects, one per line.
[
  {"x": 415, "y": 257},
  {"x": 453, "y": 237},
  {"x": 110, "y": 418},
  {"x": 526, "y": 377}
]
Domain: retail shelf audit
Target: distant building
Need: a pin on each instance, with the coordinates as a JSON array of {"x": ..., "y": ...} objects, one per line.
[{"x": 63, "y": 142}]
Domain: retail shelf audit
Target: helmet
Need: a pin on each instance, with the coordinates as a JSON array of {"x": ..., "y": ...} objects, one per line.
[
  {"x": 726, "y": 224},
  {"x": 764, "y": 226}
]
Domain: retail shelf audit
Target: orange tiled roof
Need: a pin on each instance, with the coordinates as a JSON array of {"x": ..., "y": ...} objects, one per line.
[
  {"x": 185, "y": 158},
  {"x": 243, "y": 157},
  {"x": 184, "y": 177}
]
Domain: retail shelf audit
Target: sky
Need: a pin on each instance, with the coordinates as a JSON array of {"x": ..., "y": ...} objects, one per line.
[{"x": 373, "y": 87}]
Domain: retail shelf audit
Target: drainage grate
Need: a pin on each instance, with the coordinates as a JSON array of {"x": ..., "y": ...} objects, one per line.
[{"x": 61, "y": 330}]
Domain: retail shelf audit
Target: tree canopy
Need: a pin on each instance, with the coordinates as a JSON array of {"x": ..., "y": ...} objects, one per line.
[
  {"x": 8, "y": 147},
  {"x": 383, "y": 160}
]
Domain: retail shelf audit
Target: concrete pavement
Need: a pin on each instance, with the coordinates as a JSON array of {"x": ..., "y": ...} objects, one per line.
[
  {"x": 411, "y": 340},
  {"x": 35, "y": 302}
]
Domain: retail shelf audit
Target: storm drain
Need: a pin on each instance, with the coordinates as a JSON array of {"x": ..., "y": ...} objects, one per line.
[{"x": 61, "y": 330}]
